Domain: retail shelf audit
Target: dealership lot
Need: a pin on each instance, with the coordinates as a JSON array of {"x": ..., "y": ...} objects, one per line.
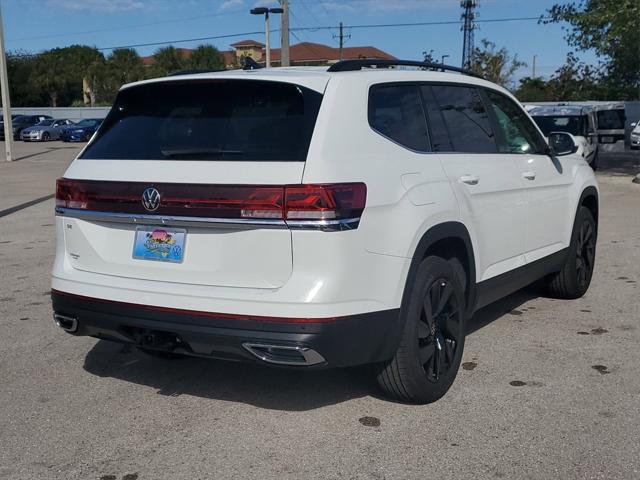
[{"x": 548, "y": 389}]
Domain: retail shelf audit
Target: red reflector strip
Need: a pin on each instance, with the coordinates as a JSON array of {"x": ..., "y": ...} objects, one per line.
[
  {"x": 198, "y": 313},
  {"x": 294, "y": 202}
]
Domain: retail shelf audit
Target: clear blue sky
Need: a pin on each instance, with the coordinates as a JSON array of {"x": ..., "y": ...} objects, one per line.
[{"x": 35, "y": 25}]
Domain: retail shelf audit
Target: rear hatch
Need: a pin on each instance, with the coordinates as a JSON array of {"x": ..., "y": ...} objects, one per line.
[{"x": 184, "y": 182}]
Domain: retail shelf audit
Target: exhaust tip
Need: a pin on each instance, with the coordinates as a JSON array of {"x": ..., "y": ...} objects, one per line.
[
  {"x": 66, "y": 322},
  {"x": 284, "y": 354}
]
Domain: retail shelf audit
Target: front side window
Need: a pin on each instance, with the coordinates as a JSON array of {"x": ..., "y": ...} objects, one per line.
[
  {"x": 519, "y": 135},
  {"x": 466, "y": 119},
  {"x": 396, "y": 112},
  {"x": 213, "y": 120}
]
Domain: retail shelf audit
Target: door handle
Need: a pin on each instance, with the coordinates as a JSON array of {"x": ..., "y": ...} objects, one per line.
[
  {"x": 529, "y": 175},
  {"x": 470, "y": 179}
]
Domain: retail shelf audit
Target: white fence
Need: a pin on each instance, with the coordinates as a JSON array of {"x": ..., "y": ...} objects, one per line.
[{"x": 72, "y": 113}]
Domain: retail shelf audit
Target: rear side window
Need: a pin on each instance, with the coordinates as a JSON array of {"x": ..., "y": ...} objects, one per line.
[
  {"x": 396, "y": 112},
  {"x": 225, "y": 120},
  {"x": 466, "y": 119}
]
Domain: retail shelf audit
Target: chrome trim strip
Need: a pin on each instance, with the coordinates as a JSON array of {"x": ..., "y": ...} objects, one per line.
[
  {"x": 206, "y": 222},
  {"x": 324, "y": 225},
  {"x": 143, "y": 219}
]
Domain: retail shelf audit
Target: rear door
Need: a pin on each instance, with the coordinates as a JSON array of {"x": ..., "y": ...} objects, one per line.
[
  {"x": 183, "y": 183},
  {"x": 488, "y": 184}
]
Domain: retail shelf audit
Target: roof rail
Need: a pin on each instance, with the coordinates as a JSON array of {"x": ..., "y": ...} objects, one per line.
[{"x": 354, "y": 65}]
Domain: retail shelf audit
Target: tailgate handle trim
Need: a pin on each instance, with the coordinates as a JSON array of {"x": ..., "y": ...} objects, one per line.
[{"x": 207, "y": 222}]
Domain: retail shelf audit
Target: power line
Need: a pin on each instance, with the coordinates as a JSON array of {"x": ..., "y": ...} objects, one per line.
[
  {"x": 309, "y": 29},
  {"x": 126, "y": 27}
]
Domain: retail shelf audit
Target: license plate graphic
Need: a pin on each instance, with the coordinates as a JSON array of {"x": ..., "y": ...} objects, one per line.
[{"x": 159, "y": 244}]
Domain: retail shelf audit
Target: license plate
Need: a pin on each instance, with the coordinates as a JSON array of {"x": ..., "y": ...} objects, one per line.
[
  {"x": 607, "y": 139},
  {"x": 159, "y": 244}
]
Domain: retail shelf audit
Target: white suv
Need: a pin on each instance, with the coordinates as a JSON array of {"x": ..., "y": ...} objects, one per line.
[{"x": 314, "y": 217}]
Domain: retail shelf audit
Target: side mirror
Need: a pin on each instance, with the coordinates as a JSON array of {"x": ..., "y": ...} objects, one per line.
[{"x": 562, "y": 143}]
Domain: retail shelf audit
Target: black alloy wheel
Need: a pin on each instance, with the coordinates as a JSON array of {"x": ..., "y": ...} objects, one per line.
[
  {"x": 430, "y": 350},
  {"x": 439, "y": 329},
  {"x": 585, "y": 253}
]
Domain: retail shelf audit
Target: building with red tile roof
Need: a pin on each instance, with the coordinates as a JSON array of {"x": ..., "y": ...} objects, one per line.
[{"x": 305, "y": 53}]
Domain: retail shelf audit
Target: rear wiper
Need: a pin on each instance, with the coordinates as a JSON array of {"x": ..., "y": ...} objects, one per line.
[{"x": 198, "y": 152}]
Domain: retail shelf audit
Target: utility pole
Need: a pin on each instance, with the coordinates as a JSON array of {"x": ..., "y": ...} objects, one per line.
[
  {"x": 6, "y": 101},
  {"x": 534, "y": 66},
  {"x": 267, "y": 33},
  {"x": 285, "y": 59},
  {"x": 468, "y": 18},
  {"x": 341, "y": 36}
]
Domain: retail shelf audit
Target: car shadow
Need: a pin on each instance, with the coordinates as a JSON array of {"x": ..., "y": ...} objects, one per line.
[{"x": 255, "y": 384}]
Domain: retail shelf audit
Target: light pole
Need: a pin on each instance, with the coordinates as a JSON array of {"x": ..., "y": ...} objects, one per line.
[
  {"x": 442, "y": 59},
  {"x": 6, "y": 102},
  {"x": 266, "y": 11}
]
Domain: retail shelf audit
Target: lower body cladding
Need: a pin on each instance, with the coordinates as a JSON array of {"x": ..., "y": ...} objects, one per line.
[{"x": 328, "y": 342}]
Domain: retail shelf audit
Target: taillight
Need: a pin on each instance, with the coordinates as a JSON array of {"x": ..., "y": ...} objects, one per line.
[
  {"x": 70, "y": 194},
  {"x": 325, "y": 202},
  {"x": 320, "y": 203}
]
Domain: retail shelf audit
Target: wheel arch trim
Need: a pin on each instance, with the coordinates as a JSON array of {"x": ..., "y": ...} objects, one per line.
[{"x": 438, "y": 232}]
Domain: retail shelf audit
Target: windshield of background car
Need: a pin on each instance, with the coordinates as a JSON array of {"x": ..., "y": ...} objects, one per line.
[
  {"x": 226, "y": 120},
  {"x": 574, "y": 125},
  {"x": 22, "y": 119},
  {"x": 85, "y": 123},
  {"x": 611, "y": 119}
]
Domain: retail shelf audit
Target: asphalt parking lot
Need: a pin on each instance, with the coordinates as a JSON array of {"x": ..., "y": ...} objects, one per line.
[{"x": 549, "y": 388}]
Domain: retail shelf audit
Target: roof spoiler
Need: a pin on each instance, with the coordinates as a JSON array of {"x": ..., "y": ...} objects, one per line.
[{"x": 354, "y": 65}]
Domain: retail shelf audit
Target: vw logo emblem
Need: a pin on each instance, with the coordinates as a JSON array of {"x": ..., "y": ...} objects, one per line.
[{"x": 151, "y": 199}]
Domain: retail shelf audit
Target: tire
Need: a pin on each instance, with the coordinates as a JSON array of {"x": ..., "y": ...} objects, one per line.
[
  {"x": 46, "y": 137},
  {"x": 162, "y": 354},
  {"x": 428, "y": 357},
  {"x": 575, "y": 277}
]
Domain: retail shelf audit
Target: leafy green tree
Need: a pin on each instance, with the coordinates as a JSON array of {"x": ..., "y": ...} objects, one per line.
[
  {"x": 167, "y": 60},
  {"x": 612, "y": 29},
  {"x": 206, "y": 57},
  {"x": 126, "y": 66},
  {"x": 574, "y": 81},
  {"x": 20, "y": 69},
  {"x": 50, "y": 74},
  {"x": 534, "y": 90},
  {"x": 60, "y": 72},
  {"x": 121, "y": 66},
  {"x": 496, "y": 65}
]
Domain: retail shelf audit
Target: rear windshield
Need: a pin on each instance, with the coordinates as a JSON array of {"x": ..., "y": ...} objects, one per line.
[
  {"x": 611, "y": 119},
  {"x": 571, "y": 124},
  {"x": 225, "y": 120}
]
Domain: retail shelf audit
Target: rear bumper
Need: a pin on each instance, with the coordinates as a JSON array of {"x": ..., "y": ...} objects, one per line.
[{"x": 339, "y": 342}]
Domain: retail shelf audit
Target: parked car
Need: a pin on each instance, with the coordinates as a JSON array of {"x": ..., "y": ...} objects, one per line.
[
  {"x": 81, "y": 131},
  {"x": 611, "y": 123},
  {"x": 317, "y": 218},
  {"x": 46, "y": 130},
  {"x": 579, "y": 121},
  {"x": 21, "y": 122},
  {"x": 635, "y": 135}
]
